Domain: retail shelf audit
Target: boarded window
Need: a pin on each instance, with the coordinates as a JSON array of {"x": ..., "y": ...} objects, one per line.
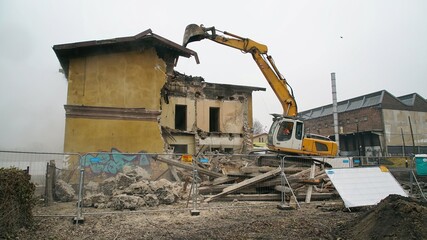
[
  {"x": 213, "y": 119},
  {"x": 181, "y": 117}
]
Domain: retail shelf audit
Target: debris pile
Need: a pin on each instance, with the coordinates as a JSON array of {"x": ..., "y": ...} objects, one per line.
[
  {"x": 241, "y": 179},
  {"x": 220, "y": 178},
  {"x": 395, "y": 217},
  {"x": 64, "y": 192},
  {"x": 132, "y": 190}
]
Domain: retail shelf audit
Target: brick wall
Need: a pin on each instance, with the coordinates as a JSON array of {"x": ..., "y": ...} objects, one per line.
[{"x": 365, "y": 119}]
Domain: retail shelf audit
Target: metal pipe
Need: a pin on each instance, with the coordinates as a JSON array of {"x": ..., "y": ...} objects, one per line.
[{"x": 335, "y": 110}]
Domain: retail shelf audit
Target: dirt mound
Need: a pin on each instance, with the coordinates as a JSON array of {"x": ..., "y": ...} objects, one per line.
[{"x": 395, "y": 217}]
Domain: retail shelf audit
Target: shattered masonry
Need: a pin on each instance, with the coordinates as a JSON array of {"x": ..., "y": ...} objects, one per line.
[{"x": 235, "y": 113}]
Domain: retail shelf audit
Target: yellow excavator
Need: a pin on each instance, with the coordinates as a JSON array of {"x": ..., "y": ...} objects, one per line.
[{"x": 286, "y": 134}]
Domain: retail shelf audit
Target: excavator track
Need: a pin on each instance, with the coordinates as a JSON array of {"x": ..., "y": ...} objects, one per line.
[{"x": 272, "y": 158}]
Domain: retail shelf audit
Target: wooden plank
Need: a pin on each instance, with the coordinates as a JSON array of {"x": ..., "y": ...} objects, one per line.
[
  {"x": 274, "y": 197},
  {"x": 174, "y": 173},
  {"x": 251, "y": 197},
  {"x": 188, "y": 167},
  {"x": 281, "y": 188},
  {"x": 212, "y": 190},
  {"x": 246, "y": 183},
  {"x": 222, "y": 180},
  {"x": 291, "y": 178},
  {"x": 310, "y": 188},
  {"x": 256, "y": 169},
  {"x": 311, "y": 181}
]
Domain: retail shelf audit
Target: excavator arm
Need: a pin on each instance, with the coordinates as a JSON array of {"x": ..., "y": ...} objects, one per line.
[
  {"x": 258, "y": 51},
  {"x": 293, "y": 142}
]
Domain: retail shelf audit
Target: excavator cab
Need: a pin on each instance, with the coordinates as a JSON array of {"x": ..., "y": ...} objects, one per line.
[{"x": 286, "y": 135}]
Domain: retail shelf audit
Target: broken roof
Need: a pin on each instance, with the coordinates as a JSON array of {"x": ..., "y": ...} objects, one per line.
[{"x": 65, "y": 52}]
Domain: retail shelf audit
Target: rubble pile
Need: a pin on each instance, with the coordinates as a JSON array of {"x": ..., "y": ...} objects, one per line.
[
  {"x": 242, "y": 179},
  {"x": 220, "y": 178},
  {"x": 132, "y": 190},
  {"x": 64, "y": 192}
]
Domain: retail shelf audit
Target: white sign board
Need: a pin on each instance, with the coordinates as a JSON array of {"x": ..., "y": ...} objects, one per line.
[{"x": 364, "y": 186}]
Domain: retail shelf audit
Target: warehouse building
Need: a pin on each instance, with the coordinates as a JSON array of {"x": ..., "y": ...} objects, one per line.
[{"x": 375, "y": 124}]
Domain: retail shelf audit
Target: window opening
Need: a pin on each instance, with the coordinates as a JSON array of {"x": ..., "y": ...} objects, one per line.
[
  {"x": 179, "y": 148},
  {"x": 285, "y": 131},
  {"x": 181, "y": 117},
  {"x": 213, "y": 119}
]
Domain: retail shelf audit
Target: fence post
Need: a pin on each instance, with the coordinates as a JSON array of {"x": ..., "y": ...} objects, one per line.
[
  {"x": 79, "y": 218},
  {"x": 283, "y": 205},
  {"x": 50, "y": 182},
  {"x": 195, "y": 191}
]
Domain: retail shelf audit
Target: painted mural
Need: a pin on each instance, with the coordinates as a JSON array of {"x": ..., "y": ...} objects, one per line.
[{"x": 111, "y": 163}]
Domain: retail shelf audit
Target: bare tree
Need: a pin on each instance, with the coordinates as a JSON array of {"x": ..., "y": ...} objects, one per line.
[{"x": 258, "y": 127}]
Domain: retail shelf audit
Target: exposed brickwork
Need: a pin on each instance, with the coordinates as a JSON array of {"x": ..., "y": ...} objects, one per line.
[{"x": 364, "y": 119}]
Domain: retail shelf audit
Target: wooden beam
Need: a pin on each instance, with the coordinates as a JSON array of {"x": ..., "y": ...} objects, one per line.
[
  {"x": 273, "y": 197},
  {"x": 246, "y": 183},
  {"x": 188, "y": 167},
  {"x": 222, "y": 180}
]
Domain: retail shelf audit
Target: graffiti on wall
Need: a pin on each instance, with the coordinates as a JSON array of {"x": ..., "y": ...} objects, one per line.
[{"x": 113, "y": 162}]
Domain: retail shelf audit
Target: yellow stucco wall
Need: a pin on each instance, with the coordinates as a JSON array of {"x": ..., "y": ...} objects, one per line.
[
  {"x": 167, "y": 117},
  {"x": 129, "y": 80},
  {"x": 231, "y": 115},
  {"x": 90, "y": 135},
  {"x": 122, "y": 80}
]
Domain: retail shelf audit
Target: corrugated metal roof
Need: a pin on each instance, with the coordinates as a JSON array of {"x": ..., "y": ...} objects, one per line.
[
  {"x": 408, "y": 99},
  {"x": 368, "y": 100},
  {"x": 71, "y": 50},
  {"x": 411, "y": 101}
]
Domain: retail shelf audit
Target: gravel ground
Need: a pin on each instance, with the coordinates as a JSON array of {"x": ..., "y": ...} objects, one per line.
[
  {"x": 395, "y": 217},
  {"x": 222, "y": 220}
]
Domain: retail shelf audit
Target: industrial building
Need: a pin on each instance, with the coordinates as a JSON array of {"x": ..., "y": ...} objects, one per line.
[{"x": 375, "y": 124}]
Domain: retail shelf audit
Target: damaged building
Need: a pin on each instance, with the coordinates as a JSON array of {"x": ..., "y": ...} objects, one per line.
[
  {"x": 125, "y": 96},
  {"x": 196, "y": 113}
]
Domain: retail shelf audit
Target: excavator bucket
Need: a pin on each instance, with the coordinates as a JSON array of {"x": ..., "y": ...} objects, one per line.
[{"x": 193, "y": 33}]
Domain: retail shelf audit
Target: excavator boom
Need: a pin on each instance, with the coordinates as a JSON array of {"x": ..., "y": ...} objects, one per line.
[
  {"x": 286, "y": 133},
  {"x": 258, "y": 51}
]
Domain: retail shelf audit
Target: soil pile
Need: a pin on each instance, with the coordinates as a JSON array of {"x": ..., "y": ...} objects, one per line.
[{"x": 395, "y": 217}]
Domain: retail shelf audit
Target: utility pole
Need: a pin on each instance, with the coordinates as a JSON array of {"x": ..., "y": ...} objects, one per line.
[
  {"x": 414, "y": 150},
  {"x": 403, "y": 141}
]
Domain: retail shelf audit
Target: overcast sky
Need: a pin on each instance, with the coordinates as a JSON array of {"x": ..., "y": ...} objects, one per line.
[{"x": 370, "y": 45}]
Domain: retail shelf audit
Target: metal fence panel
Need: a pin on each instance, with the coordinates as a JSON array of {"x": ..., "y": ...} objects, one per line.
[
  {"x": 105, "y": 182},
  {"x": 36, "y": 163}
]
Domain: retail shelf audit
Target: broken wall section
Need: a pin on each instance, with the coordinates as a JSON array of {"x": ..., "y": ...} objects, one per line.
[{"x": 197, "y": 113}]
